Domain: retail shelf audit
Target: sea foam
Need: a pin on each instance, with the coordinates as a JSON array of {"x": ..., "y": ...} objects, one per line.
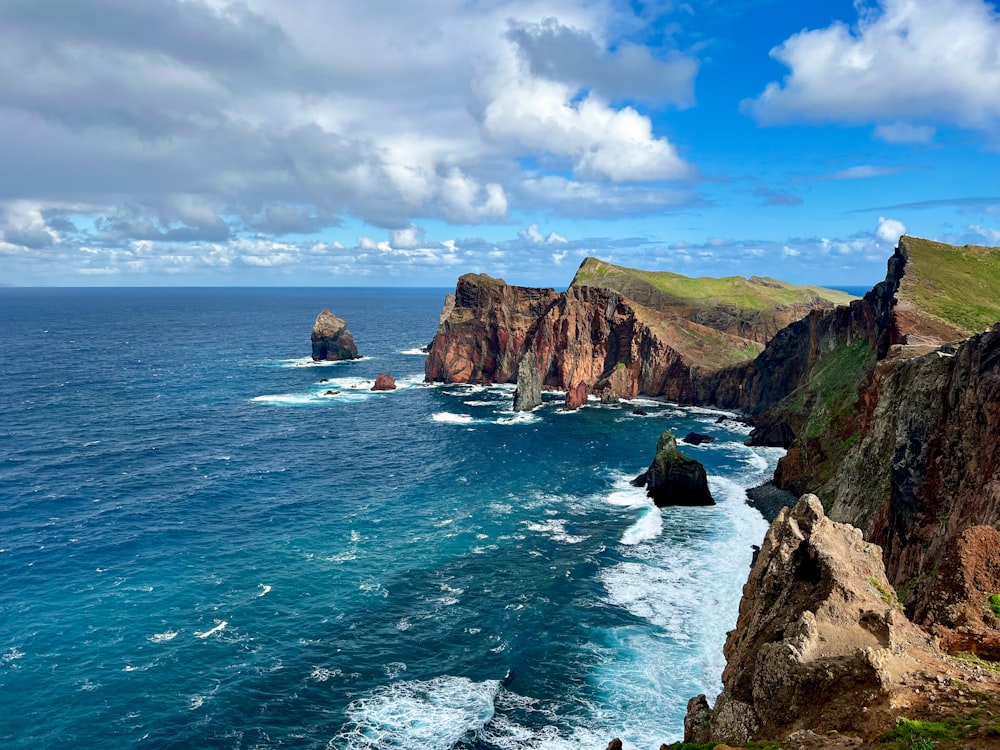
[{"x": 431, "y": 714}]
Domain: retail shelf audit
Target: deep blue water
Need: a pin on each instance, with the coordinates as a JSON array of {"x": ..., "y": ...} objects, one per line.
[{"x": 200, "y": 549}]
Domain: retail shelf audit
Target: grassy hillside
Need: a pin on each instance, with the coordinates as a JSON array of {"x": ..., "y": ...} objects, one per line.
[
  {"x": 662, "y": 289},
  {"x": 956, "y": 285}
]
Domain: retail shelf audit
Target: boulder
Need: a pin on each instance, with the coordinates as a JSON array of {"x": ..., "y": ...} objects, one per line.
[
  {"x": 697, "y": 438},
  {"x": 384, "y": 382},
  {"x": 673, "y": 478},
  {"x": 331, "y": 341},
  {"x": 529, "y": 385},
  {"x": 576, "y": 397}
]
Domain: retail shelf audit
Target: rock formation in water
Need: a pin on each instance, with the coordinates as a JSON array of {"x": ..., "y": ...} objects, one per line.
[
  {"x": 331, "y": 341},
  {"x": 384, "y": 382},
  {"x": 528, "y": 394},
  {"x": 576, "y": 397},
  {"x": 673, "y": 478},
  {"x": 821, "y": 644},
  {"x": 697, "y": 438}
]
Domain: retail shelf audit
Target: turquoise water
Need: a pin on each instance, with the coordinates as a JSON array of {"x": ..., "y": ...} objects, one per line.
[{"x": 200, "y": 548}]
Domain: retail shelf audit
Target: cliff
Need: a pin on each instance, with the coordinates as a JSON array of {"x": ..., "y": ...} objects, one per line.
[
  {"x": 895, "y": 428},
  {"x": 821, "y": 651},
  {"x": 603, "y": 339}
]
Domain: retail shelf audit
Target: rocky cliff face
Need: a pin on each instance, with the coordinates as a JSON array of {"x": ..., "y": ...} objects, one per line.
[
  {"x": 926, "y": 465},
  {"x": 822, "y": 645},
  {"x": 897, "y": 431},
  {"x": 331, "y": 341},
  {"x": 483, "y": 330},
  {"x": 615, "y": 346}
]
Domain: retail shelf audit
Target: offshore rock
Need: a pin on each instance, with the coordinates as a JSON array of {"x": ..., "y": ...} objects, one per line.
[
  {"x": 819, "y": 636},
  {"x": 331, "y": 341},
  {"x": 697, "y": 438},
  {"x": 384, "y": 382},
  {"x": 528, "y": 394},
  {"x": 673, "y": 478},
  {"x": 576, "y": 397}
]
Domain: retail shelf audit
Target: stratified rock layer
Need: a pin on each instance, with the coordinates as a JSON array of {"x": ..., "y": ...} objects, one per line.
[
  {"x": 673, "y": 478},
  {"x": 481, "y": 338},
  {"x": 331, "y": 341}
]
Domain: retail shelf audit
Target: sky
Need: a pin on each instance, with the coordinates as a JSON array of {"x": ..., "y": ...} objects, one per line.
[{"x": 406, "y": 142}]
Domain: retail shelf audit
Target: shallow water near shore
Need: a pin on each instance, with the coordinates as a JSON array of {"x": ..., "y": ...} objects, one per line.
[{"x": 208, "y": 541}]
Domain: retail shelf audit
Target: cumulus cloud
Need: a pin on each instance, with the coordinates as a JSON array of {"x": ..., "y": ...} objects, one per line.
[
  {"x": 597, "y": 140},
  {"x": 890, "y": 230},
  {"x": 200, "y": 120},
  {"x": 906, "y": 64},
  {"x": 574, "y": 57}
]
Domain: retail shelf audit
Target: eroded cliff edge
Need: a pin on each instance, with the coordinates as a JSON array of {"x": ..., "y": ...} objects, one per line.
[{"x": 821, "y": 649}]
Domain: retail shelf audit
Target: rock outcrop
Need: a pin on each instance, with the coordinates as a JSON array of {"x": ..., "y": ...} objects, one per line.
[
  {"x": 331, "y": 341},
  {"x": 821, "y": 643},
  {"x": 384, "y": 382},
  {"x": 483, "y": 331},
  {"x": 673, "y": 478},
  {"x": 528, "y": 394}
]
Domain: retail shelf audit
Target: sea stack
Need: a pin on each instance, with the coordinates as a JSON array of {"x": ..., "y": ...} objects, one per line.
[
  {"x": 331, "y": 341},
  {"x": 673, "y": 478},
  {"x": 529, "y": 386}
]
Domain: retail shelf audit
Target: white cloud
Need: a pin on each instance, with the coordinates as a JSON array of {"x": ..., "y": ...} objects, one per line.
[
  {"x": 410, "y": 237},
  {"x": 901, "y": 132},
  {"x": 906, "y": 60},
  {"x": 464, "y": 200},
  {"x": 598, "y": 141},
  {"x": 987, "y": 233},
  {"x": 861, "y": 172},
  {"x": 890, "y": 230}
]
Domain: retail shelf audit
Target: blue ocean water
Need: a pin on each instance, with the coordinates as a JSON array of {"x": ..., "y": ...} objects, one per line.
[{"x": 201, "y": 547}]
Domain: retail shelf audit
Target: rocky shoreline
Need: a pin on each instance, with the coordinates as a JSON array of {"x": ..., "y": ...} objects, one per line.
[{"x": 872, "y": 614}]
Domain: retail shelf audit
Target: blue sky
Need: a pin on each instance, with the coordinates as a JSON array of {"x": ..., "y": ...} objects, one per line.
[{"x": 405, "y": 142}]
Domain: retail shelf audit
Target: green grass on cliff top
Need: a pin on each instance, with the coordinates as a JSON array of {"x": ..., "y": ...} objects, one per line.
[
  {"x": 755, "y": 293},
  {"x": 959, "y": 285}
]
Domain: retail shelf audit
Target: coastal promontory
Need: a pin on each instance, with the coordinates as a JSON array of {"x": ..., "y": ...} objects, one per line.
[{"x": 596, "y": 337}]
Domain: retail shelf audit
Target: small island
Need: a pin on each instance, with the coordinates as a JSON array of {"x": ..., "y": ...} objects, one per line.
[{"x": 331, "y": 340}]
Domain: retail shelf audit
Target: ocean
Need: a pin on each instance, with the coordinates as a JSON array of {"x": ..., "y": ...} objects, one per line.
[{"x": 207, "y": 541}]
